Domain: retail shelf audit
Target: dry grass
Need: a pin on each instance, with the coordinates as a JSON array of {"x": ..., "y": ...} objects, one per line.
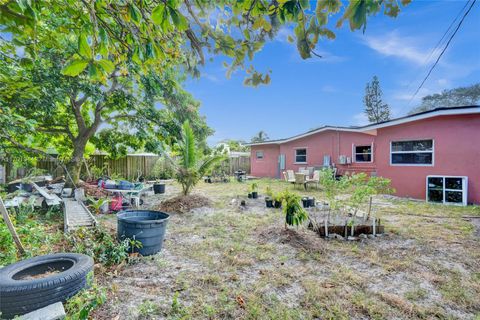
[{"x": 224, "y": 262}]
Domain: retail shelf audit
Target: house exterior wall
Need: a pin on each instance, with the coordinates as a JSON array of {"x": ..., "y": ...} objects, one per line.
[
  {"x": 456, "y": 153},
  {"x": 332, "y": 143},
  {"x": 268, "y": 166}
]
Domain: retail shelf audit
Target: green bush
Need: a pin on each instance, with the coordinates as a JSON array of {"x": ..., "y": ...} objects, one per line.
[{"x": 101, "y": 245}]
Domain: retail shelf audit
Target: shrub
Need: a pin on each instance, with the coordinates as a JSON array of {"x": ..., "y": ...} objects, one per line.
[
  {"x": 295, "y": 215},
  {"x": 101, "y": 245}
]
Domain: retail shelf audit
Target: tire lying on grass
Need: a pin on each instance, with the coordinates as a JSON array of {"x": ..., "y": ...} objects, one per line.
[{"x": 35, "y": 283}]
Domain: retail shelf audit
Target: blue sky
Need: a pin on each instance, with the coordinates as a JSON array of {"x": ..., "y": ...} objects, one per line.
[{"x": 305, "y": 94}]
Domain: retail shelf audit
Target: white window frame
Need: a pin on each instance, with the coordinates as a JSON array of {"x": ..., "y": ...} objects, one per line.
[
  {"x": 412, "y": 164},
  {"x": 354, "y": 152},
  {"x": 306, "y": 155},
  {"x": 256, "y": 155},
  {"x": 464, "y": 190}
]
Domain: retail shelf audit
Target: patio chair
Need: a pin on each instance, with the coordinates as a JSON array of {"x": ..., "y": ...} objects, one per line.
[
  {"x": 285, "y": 177},
  {"x": 315, "y": 180},
  {"x": 291, "y": 175},
  {"x": 300, "y": 179}
]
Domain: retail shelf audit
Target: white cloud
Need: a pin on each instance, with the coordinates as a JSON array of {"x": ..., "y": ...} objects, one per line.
[
  {"x": 407, "y": 48},
  {"x": 360, "y": 119}
]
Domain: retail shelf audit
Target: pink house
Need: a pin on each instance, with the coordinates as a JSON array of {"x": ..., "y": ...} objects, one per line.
[{"x": 434, "y": 155}]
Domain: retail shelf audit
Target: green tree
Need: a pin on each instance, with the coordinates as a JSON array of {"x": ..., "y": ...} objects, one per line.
[
  {"x": 457, "y": 97},
  {"x": 375, "y": 109},
  {"x": 71, "y": 68},
  {"x": 261, "y": 136},
  {"x": 236, "y": 145},
  {"x": 192, "y": 165}
]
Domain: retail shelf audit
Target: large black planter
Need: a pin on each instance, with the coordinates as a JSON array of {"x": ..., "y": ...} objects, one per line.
[
  {"x": 254, "y": 194},
  {"x": 311, "y": 202},
  {"x": 146, "y": 226},
  {"x": 159, "y": 188}
]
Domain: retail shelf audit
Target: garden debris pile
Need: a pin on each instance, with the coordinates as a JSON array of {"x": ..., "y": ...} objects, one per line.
[{"x": 183, "y": 204}]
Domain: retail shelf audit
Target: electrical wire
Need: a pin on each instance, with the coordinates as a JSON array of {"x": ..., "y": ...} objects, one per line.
[{"x": 443, "y": 51}]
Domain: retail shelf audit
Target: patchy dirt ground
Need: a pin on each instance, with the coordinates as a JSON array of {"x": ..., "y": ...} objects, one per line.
[{"x": 229, "y": 262}]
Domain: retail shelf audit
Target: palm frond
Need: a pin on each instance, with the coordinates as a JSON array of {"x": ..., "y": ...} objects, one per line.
[
  {"x": 188, "y": 146},
  {"x": 208, "y": 163}
]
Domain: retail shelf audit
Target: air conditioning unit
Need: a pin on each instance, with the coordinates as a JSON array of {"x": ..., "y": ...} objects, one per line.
[{"x": 349, "y": 160}]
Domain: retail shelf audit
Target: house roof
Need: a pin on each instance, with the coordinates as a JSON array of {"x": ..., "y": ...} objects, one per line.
[{"x": 409, "y": 118}]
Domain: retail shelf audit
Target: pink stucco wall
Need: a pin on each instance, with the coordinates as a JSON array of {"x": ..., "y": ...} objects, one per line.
[
  {"x": 268, "y": 166},
  {"x": 331, "y": 142},
  {"x": 456, "y": 153}
]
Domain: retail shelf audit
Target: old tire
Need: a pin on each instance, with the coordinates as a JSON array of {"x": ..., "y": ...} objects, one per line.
[{"x": 19, "y": 295}]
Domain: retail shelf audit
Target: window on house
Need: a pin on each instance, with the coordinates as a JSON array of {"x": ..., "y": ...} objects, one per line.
[
  {"x": 363, "y": 153},
  {"x": 416, "y": 152},
  {"x": 259, "y": 154},
  {"x": 448, "y": 190},
  {"x": 301, "y": 155}
]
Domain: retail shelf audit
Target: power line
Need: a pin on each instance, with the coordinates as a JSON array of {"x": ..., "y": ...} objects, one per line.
[{"x": 443, "y": 51}]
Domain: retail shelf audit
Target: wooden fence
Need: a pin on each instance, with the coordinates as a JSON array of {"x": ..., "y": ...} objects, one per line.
[{"x": 130, "y": 167}]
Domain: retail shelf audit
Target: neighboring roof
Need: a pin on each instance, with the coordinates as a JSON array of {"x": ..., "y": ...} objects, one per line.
[{"x": 413, "y": 117}]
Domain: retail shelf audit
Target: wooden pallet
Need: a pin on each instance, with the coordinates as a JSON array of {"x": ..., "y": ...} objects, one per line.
[{"x": 77, "y": 215}]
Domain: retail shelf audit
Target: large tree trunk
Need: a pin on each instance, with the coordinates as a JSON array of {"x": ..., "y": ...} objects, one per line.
[{"x": 74, "y": 166}]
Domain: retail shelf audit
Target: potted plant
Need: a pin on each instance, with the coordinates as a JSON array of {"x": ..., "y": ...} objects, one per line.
[
  {"x": 269, "y": 197},
  {"x": 277, "y": 200},
  {"x": 99, "y": 206},
  {"x": 295, "y": 215},
  {"x": 253, "y": 189}
]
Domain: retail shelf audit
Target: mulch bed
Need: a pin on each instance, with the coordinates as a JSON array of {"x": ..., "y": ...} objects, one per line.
[{"x": 183, "y": 204}]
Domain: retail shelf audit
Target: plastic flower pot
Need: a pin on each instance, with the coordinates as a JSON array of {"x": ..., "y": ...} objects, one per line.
[
  {"x": 159, "y": 188},
  {"x": 277, "y": 204},
  {"x": 305, "y": 202},
  {"x": 254, "y": 194},
  {"x": 311, "y": 202},
  {"x": 269, "y": 202},
  {"x": 145, "y": 226},
  {"x": 250, "y": 196}
]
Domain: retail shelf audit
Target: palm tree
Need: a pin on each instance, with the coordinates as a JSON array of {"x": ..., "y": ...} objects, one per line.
[
  {"x": 192, "y": 166},
  {"x": 261, "y": 136}
]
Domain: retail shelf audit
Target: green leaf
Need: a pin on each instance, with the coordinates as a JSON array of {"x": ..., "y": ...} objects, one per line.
[
  {"x": 75, "y": 67},
  {"x": 106, "y": 65},
  {"x": 178, "y": 20},
  {"x": 135, "y": 14},
  {"x": 83, "y": 47},
  {"x": 158, "y": 14},
  {"x": 92, "y": 71}
]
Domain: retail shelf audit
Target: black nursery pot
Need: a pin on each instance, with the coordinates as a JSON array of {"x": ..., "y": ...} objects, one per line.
[
  {"x": 249, "y": 196},
  {"x": 311, "y": 202},
  {"x": 305, "y": 202},
  {"x": 269, "y": 202},
  {"x": 159, "y": 188},
  {"x": 277, "y": 204},
  {"x": 254, "y": 194}
]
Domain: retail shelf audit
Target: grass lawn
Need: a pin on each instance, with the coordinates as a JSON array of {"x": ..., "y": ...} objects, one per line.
[{"x": 224, "y": 262}]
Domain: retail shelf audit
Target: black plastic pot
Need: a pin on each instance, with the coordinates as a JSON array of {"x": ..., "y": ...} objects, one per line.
[
  {"x": 305, "y": 202},
  {"x": 269, "y": 202},
  {"x": 277, "y": 204},
  {"x": 311, "y": 202},
  {"x": 254, "y": 194},
  {"x": 146, "y": 226},
  {"x": 249, "y": 196},
  {"x": 159, "y": 188}
]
